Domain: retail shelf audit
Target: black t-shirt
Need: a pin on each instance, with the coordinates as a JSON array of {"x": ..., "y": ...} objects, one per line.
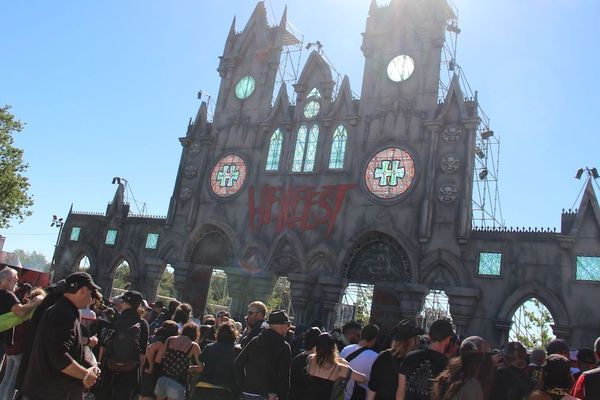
[
  {"x": 218, "y": 358},
  {"x": 420, "y": 368},
  {"x": 511, "y": 383},
  {"x": 384, "y": 376},
  {"x": 7, "y": 301},
  {"x": 298, "y": 377}
]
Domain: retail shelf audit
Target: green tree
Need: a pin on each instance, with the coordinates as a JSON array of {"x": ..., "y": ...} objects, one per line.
[
  {"x": 280, "y": 298},
  {"x": 121, "y": 279},
  {"x": 535, "y": 331},
  {"x": 14, "y": 202},
  {"x": 31, "y": 260},
  {"x": 166, "y": 286}
]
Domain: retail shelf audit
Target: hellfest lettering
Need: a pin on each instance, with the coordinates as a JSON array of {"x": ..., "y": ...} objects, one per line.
[{"x": 302, "y": 207}]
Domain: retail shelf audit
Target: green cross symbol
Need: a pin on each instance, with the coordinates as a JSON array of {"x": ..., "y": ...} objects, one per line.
[
  {"x": 389, "y": 173},
  {"x": 228, "y": 175}
]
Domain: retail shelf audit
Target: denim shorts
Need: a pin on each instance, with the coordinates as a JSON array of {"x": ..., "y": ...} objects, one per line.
[{"x": 167, "y": 387}]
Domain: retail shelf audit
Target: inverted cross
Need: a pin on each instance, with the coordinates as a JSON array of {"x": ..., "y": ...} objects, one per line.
[
  {"x": 228, "y": 175},
  {"x": 389, "y": 172}
]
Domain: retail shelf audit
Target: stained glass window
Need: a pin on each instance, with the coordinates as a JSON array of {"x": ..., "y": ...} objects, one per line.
[
  {"x": 400, "y": 68},
  {"x": 274, "y": 151},
  {"x": 588, "y": 269},
  {"x": 311, "y": 109},
  {"x": 75, "y": 231},
  {"x": 490, "y": 263},
  {"x": 311, "y": 149},
  {"x": 338, "y": 148},
  {"x": 390, "y": 173},
  {"x": 152, "y": 241},
  {"x": 300, "y": 147},
  {"x": 228, "y": 175},
  {"x": 314, "y": 94},
  {"x": 245, "y": 87},
  {"x": 111, "y": 237}
]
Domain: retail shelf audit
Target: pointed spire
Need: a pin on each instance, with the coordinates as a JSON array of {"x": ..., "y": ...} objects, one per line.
[
  {"x": 70, "y": 210},
  {"x": 232, "y": 31},
  {"x": 259, "y": 15},
  {"x": 373, "y": 7},
  {"x": 283, "y": 22},
  {"x": 281, "y": 105}
]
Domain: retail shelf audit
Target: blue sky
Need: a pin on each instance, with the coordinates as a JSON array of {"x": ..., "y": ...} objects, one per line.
[{"x": 106, "y": 89}]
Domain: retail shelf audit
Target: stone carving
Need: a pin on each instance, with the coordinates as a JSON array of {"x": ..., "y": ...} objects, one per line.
[
  {"x": 185, "y": 193},
  {"x": 190, "y": 171},
  {"x": 450, "y": 163},
  {"x": 378, "y": 258},
  {"x": 195, "y": 149},
  {"x": 452, "y": 134},
  {"x": 447, "y": 193}
]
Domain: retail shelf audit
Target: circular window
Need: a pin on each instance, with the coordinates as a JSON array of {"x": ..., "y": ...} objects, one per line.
[
  {"x": 245, "y": 87},
  {"x": 228, "y": 175},
  {"x": 400, "y": 68},
  {"x": 311, "y": 109},
  {"x": 390, "y": 173}
]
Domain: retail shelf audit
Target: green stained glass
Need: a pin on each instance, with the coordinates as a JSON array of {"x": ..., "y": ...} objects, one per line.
[
  {"x": 75, "y": 231},
  {"x": 245, "y": 87},
  {"x": 311, "y": 109},
  {"x": 111, "y": 237},
  {"x": 311, "y": 149},
  {"x": 274, "y": 151},
  {"x": 300, "y": 146},
  {"x": 490, "y": 263},
  {"x": 588, "y": 269},
  {"x": 314, "y": 94},
  {"x": 152, "y": 241},
  {"x": 338, "y": 148}
]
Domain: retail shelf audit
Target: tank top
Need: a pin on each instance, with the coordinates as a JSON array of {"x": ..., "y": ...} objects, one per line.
[
  {"x": 318, "y": 388},
  {"x": 176, "y": 364}
]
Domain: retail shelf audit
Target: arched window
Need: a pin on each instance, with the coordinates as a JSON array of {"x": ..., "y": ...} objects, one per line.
[
  {"x": 306, "y": 149},
  {"x": 315, "y": 94},
  {"x": 338, "y": 148},
  {"x": 274, "y": 151}
]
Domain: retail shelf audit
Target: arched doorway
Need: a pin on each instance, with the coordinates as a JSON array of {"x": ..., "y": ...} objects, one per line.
[
  {"x": 121, "y": 279},
  {"x": 83, "y": 264},
  {"x": 532, "y": 324},
  {"x": 218, "y": 298},
  {"x": 355, "y": 305},
  {"x": 436, "y": 306},
  {"x": 280, "y": 298},
  {"x": 166, "y": 285}
]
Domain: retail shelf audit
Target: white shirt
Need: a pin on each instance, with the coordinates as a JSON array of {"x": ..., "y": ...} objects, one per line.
[{"x": 362, "y": 364}]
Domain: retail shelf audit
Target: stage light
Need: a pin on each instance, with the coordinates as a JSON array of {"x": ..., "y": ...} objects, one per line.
[
  {"x": 579, "y": 173},
  {"x": 488, "y": 133},
  {"x": 483, "y": 173},
  {"x": 479, "y": 152}
]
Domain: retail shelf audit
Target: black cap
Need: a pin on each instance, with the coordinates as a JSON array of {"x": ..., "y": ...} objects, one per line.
[
  {"x": 405, "y": 330},
  {"x": 557, "y": 346},
  {"x": 440, "y": 329},
  {"x": 133, "y": 298},
  {"x": 278, "y": 317},
  {"x": 158, "y": 303},
  {"x": 77, "y": 280}
]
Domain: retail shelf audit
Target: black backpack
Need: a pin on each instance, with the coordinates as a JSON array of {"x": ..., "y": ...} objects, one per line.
[{"x": 123, "y": 345}]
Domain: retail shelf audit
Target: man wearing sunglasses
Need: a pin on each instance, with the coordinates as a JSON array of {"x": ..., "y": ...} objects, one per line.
[
  {"x": 57, "y": 369},
  {"x": 255, "y": 317}
]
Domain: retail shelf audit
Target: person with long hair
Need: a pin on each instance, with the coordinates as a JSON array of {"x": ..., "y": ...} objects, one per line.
[
  {"x": 149, "y": 372},
  {"x": 383, "y": 383},
  {"x": 556, "y": 380},
  {"x": 325, "y": 368},
  {"x": 468, "y": 377}
]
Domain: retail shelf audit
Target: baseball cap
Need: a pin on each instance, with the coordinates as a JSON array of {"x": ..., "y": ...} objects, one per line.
[
  {"x": 405, "y": 330},
  {"x": 440, "y": 329},
  {"x": 133, "y": 298},
  {"x": 557, "y": 346},
  {"x": 77, "y": 280},
  {"x": 157, "y": 304},
  {"x": 474, "y": 344}
]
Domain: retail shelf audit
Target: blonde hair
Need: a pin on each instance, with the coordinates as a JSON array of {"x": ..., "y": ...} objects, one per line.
[{"x": 401, "y": 347}]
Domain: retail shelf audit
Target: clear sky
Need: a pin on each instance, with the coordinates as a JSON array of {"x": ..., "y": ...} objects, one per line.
[{"x": 107, "y": 88}]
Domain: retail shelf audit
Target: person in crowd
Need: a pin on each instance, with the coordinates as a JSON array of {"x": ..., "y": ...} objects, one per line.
[
  {"x": 124, "y": 351},
  {"x": 147, "y": 311},
  {"x": 453, "y": 348},
  {"x": 298, "y": 375},
  {"x": 164, "y": 315},
  {"x": 559, "y": 346},
  {"x": 297, "y": 341},
  {"x": 586, "y": 360},
  {"x": 255, "y": 316},
  {"x": 587, "y": 386},
  {"x": 89, "y": 337},
  {"x": 350, "y": 335},
  {"x": 222, "y": 316},
  {"x": 157, "y": 308},
  {"x": 149, "y": 372},
  {"x": 536, "y": 362},
  {"x": 56, "y": 369},
  {"x": 263, "y": 367},
  {"x": 178, "y": 358},
  {"x": 511, "y": 381},
  {"x": 469, "y": 376},
  {"x": 182, "y": 315},
  {"x": 325, "y": 368},
  {"x": 10, "y": 303},
  {"x": 14, "y": 352},
  {"x": 420, "y": 367},
  {"x": 217, "y": 380},
  {"x": 361, "y": 357},
  {"x": 556, "y": 380},
  {"x": 384, "y": 378},
  {"x": 207, "y": 335}
]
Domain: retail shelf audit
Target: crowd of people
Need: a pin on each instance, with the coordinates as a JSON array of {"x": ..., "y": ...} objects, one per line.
[{"x": 66, "y": 342}]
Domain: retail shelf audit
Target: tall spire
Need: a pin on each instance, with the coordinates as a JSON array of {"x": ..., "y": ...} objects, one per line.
[{"x": 283, "y": 22}]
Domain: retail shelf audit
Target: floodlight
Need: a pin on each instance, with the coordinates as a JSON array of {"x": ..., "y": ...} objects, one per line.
[
  {"x": 453, "y": 28},
  {"x": 594, "y": 173},
  {"x": 579, "y": 173},
  {"x": 479, "y": 152},
  {"x": 488, "y": 133},
  {"x": 483, "y": 173}
]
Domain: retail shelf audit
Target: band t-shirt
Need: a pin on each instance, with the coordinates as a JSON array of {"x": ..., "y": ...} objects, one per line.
[
  {"x": 384, "y": 376},
  {"x": 420, "y": 368},
  {"x": 7, "y": 301}
]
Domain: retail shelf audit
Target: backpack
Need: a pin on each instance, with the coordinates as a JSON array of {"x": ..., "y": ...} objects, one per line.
[{"x": 123, "y": 345}]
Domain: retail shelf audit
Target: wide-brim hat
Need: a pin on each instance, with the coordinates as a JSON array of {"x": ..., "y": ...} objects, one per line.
[{"x": 278, "y": 317}]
